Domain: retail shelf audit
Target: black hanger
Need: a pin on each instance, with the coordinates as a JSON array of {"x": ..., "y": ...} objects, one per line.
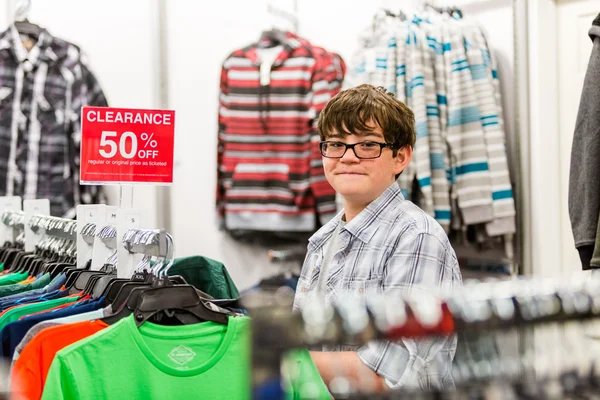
[
  {"x": 113, "y": 288},
  {"x": 179, "y": 302},
  {"x": 124, "y": 292},
  {"x": 275, "y": 35},
  {"x": 128, "y": 306},
  {"x": 101, "y": 284},
  {"x": 79, "y": 284}
]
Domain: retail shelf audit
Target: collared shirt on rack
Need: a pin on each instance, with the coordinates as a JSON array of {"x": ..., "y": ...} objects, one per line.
[
  {"x": 41, "y": 94},
  {"x": 392, "y": 246}
]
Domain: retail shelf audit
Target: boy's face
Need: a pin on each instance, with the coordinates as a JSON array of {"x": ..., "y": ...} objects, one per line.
[{"x": 363, "y": 180}]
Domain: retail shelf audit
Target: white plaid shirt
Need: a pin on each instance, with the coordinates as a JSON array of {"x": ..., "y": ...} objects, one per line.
[{"x": 391, "y": 246}]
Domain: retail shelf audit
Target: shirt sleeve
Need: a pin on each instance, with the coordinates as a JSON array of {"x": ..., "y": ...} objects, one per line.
[
  {"x": 322, "y": 190},
  {"x": 223, "y": 106},
  {"x": 422, "y": 262},
  {"x": 60, "y": 383}
]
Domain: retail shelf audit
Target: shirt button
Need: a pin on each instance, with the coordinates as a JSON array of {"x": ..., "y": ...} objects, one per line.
[
  {"x": 27, "y": 66},
  {"x": 313, "y": 270},
  {"x": 303, "y": 290},
  {"x": 361, "y": 290}
]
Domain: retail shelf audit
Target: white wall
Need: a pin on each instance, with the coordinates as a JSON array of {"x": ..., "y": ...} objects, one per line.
[{"x": 118, "y": 38}]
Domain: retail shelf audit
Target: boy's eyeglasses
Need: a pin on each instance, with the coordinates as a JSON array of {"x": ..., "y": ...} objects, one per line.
[{"x": 362, "y": 150}]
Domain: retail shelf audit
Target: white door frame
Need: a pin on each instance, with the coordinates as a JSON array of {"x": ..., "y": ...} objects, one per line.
[{"x": 543, "y": 208}]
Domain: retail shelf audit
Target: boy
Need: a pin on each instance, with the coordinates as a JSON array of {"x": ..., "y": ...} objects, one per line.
[{"x": 380, "y": 242}]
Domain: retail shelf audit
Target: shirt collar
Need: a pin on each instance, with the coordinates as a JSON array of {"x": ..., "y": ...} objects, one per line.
[
  {"x": 290, "y": 44},
  {"x": 10, "y": 39},
  {"x": 364, "y": 225}
]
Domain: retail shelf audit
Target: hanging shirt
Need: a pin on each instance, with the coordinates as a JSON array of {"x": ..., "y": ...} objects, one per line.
[
  {"x": 12, "y": 334},
  {"x": 29, "y": 372},
  {"x": 270, "y": 173},
  {"x": 13, "y": 278},
  {"x": 207, "y": 359},
  {"x": 18, "y": 288},
  {"x": 14, "y": 313},
  {"x": 41, "y": 94},
  {"x": 55, "y": 284}
]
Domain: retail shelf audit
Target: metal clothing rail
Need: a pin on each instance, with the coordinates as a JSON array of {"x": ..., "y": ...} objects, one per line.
[
  {"x": 63, "y": 228},
  {"x": 476, "y": 309},
  {"x": 15, "y": 219},
  {"x": 150, "y": 242}
]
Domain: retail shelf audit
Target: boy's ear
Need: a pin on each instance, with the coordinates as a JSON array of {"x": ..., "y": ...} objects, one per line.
[{"x": 402, "y": 159}]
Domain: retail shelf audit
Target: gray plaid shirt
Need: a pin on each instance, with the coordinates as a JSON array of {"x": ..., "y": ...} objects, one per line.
[
  {"x": 41, "y": 94},
  {"x": 391, "y": 246}
]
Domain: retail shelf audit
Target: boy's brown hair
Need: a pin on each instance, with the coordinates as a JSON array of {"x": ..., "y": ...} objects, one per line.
[{"x": 350, "y": 110}]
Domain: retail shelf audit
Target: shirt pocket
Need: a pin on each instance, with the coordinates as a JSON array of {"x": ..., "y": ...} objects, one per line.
[
  {"x": 365, "y": 287},
  {"x": 267, "y": 185}
]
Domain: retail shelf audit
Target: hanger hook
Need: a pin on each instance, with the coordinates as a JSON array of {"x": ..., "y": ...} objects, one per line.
[{"x": 22, "y": 11}]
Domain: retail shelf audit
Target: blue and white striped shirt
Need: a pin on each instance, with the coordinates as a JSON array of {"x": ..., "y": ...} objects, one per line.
[{"x": 390, "y": 246}]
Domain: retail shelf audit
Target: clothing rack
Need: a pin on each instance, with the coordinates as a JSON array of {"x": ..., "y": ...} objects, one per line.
[
  {"x": 88, "y": 232},
  {"x": 477, "y": 310},
  {"x": 150, "y": 242},
  {"x": 16, "y": 219},
  {"x": 108, "y": 235},
  {"x": 63, "y": 228}
]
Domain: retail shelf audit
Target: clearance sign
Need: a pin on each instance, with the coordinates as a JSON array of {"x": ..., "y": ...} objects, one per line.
[{"x": 121, "y": 145}]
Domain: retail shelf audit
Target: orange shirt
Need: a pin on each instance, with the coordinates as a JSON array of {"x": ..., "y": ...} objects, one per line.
[
  {"x": 28, "y": 280},
  {"x": 29, "y": 371}
]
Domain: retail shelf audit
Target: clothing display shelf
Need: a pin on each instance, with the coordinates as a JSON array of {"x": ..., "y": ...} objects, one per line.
[{"x": 473, "y": 313}]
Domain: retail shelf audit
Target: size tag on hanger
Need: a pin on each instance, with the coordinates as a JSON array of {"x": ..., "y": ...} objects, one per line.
[
  {"x": 127, "y": 218},
  {"x": 105, "y": 216},
  {"x": 8, "y": 203},
  {"x": 86, "y": 214},
  {"x": 31, "y": 208}
]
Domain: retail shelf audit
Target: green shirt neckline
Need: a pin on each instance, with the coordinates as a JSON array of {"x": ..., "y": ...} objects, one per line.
[{"x": 182, "y": 332}]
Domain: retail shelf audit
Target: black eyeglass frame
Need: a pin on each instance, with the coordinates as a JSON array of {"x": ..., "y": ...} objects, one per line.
[{"x": 351, "y": 146}]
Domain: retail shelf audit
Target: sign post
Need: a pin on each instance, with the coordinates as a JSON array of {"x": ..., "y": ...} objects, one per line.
[{"x": 123, "y": 146}]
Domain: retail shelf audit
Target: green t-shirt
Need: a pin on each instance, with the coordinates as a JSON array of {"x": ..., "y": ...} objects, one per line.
[
  {"x": 8, "y": 290},
  {"x": 304, "y": 380},
  {"x": 14, "y": 314},
  {"x": 207, "y": 360},
  {"x": 199, "y": 361},
  {"x": 9, "y": 279}
]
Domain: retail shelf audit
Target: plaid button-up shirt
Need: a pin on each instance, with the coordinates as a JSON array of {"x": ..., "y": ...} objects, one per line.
[
  {"x": 391, "y": 246},
  {"x": 41, "y": 94}
]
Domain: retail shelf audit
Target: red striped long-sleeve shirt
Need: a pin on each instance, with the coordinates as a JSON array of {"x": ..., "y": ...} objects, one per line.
[{"x": 270, "y": 172}]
